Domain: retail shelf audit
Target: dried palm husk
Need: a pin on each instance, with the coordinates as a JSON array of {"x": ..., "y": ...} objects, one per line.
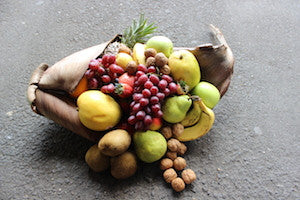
[{"x": 49, "y": 87}]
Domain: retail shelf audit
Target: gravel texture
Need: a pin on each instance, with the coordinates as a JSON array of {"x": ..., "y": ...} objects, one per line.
[{"x": 252, "y": 151}]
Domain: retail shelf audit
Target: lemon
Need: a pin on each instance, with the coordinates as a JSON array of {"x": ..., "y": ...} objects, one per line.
[
  {"x": 98, "y": 111},
  {"x": 122, "y": 59},
  {"x": 149, "y": 146}
]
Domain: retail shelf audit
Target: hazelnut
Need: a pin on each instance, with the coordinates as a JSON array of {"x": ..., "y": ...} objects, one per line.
[
  {"x": 172, "y": 155},
  {"x": 166, "y": 163},
  {"x": 173, "y": 144},
  {"x": 150, "y": 61},
  {"x": 165, "y": 69},
  {"x": 131, "y": 67},
  {"x": 161, "y": 60},
  {"x": 150, "y": 53},
  {"x": 169, "y": 175},
  {"x": 177, "y": 129},
  {"x": 178, "y": 184},
  {"x": 181, "y": 149},
  {"x": 179, "y": 163},
  {"x": 124, "y": 49},
  {"x": 188, "y": 176},
  {"x": 167, "y": 132}
]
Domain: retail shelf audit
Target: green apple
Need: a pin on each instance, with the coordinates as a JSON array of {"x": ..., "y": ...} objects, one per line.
[
  {"x": 160, "y": 44},
  {"x": 184, "y": 67},
  {"x": 209, "y": 94}
]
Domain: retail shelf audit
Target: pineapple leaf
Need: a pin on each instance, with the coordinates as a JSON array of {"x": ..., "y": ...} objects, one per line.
[{"x": 137, "y": 32}]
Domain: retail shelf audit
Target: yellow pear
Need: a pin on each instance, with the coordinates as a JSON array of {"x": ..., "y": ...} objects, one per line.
[{"x": 184, "y": 67}]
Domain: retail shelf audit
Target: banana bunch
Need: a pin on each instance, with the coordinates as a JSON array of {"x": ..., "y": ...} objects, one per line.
[{"x": 198, "y": 121}]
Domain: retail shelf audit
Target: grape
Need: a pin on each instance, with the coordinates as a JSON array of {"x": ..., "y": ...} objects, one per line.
[
  {"x": 140, "y": 115},
  {"x": 105, "y": 59},
  {"x": 167, "y": 78},
  {"x": 116, "y": 69},
  {"x": 139, "y": 73},
  {"x": 131, "y": 119},
  {"x": 172, "y": 87},
  {"x": 138, "y": 89},
  {"x": 104, "y": 89},
  {"x": 99, "y": 60},
  {"x": 136, "y": 107},
  {"x": 151, "y": 69},
  {"x": 146, "y": 93},
  {"x": 143, "y": 102},
  {"x": 161, "y": 96},
  {"x": 154, "y": 79},
  {"x": 106, "y": 79},
  {"x": 159, "y": 114},
  {"x": 162, "y": 84},
  {"x": 132, "y": 104},
  {"x": 94, "y": 64},
  {"x": 93, "y": 83},
  {"x": 142, "y": 68},
  {"x": 166, "y": 92},
  {"x": 101, "y": 71},
  {"x": 148, "y": 84},
  {"x": 139, "y": 125},
  {"x": 89, "y": 74},
  {"x": 147, "y": 109},
  {"x": 110, "y": 88},
  {"x": 155, "y": 108},
  {"x": 111, "y": 59},
  {"x": 142, "y": 79},
  {"x": 147, "y": 120},
  {"x": 154, "y": 100},
  {"x": 154, "y": 90},
  {"x": 137, "y": 97}
]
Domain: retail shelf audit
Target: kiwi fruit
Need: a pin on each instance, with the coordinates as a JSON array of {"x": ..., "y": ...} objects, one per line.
[
  {"x": 97, "y": 161},
  {"x": 124, "y": 165},
  {"x": 114, "y": 142}
]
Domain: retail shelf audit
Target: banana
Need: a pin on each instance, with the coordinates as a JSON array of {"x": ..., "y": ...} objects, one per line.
[
  {"x": 204, "y": 124},
  {"x": 193, "y": 116},
  {"x": 138, "y": 53}
]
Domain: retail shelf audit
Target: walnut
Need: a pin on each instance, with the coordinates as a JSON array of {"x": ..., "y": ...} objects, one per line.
[
  {"x": 172, "y": 155},
  {"x": 178, "y": 184},
  {"x": 169, "y": 175},
  {"x": 150, "y": 61},
  {"x": 161, "y": 60},
  {"x": 165, "y": 69},
  {"x": 166, "y": 163},
  {"x": 188, "y": 176},
  {"x": 167, "y": 132},
  {"x": 131, "y": 67},
  {"x": 124, "y": 49},
  {"x": 177, "y": 129},
  {"x": 179, "y": 163},
  {"x": 150, "y": 53},
  {"x": 173, "y": 144},
  {"x": 181, "y": 149}
]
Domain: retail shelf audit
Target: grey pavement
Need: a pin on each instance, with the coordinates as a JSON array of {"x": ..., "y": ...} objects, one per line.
[{"x": 253, "y": 149}]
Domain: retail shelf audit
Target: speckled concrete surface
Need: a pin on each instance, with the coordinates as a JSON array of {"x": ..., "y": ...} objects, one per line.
[{"x": 252, "y": 152}]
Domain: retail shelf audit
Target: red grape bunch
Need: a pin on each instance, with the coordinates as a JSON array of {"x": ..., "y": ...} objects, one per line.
[{"x": 150, "y": 89}]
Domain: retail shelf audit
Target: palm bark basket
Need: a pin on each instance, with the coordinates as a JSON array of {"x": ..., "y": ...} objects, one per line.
[{"x": 49, "y": 87}]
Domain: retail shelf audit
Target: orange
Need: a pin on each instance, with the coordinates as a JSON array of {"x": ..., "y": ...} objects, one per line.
[{"x": 80, "y": 88}]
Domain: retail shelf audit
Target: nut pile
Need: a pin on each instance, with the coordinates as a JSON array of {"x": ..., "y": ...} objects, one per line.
[{"x": 174, "y": 164}]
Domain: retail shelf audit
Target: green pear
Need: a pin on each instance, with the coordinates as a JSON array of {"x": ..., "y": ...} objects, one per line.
[
  {"x": 184, "y": 67},
  {"x": 160, "y": 44},
  {"x": 175, "y": 108}
]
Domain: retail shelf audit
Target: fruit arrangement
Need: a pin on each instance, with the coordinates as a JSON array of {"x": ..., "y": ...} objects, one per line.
[{"x": 138, "y": 98}]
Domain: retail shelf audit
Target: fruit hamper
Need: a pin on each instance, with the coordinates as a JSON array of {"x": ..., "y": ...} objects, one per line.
[{"x": 137, "y": 97}]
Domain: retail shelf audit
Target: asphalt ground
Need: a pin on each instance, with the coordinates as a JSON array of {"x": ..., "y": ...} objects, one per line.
[{"x": 252, "y": 151}]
